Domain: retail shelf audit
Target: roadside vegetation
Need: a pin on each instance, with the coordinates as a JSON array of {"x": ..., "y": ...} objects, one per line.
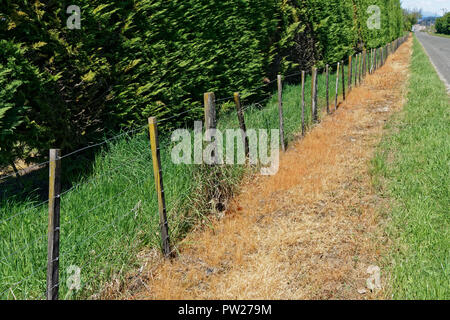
[
  {"x": 72, "y": 88},
  {"x": 411, "y": 169},
  {"x": 440, "y": 35},
  {"x": 113, "y": 205},
  {"x": 442, "y": 25}
]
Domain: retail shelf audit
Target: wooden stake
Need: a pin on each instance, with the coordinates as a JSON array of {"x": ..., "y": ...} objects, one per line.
[
  {"x": 240, "y": 114},
  {"x": 363, "y": 73},
  {"x": 376, "y": 59},
  {"x": 343, "y": 79},
  {"x": 327, "y": 80},
  {"x": 157, "y": 172},
  {"x": 303, "y": 104},
  {"x": 54, "y": 192},
  {"x": 371, "y": 60},
  {"x": 360, "y": 69},
  {"x": 314, "y": 108},
  {"x": 210, "y": 110},
  {"x": 350, "y": 67},
  {"x": 210, "y": 119},
  {"x": 280, "y": 111},
  {"x": 337, "y": 86}
]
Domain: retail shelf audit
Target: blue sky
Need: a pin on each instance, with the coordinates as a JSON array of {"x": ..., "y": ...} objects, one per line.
[{"x": 433, "y": 6}]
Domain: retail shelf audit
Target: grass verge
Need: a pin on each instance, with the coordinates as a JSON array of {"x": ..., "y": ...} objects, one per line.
[
  {"x": 412, "y": 170},
  {"x": 440, "y": 35}
]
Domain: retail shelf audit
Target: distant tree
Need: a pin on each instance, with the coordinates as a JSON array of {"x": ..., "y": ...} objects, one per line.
[
  {"x": 443, "y": 24},
  {"x": 411, "y": 17}
]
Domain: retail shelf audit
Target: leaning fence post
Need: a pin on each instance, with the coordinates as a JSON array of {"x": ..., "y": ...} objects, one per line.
[
  {"x": 314, "y": 94},
  {"x": 240, "y": 114},
  {"x": 356, "y": 68},
  {"x": 303, "y": 103},
  {"x": 54, "y": 191},
  {"x": 343, "y": 79},
  {"x": 337, "y": 86},
  {"x": 280, "y": 111},
  {"x": 157, "y": 172}
]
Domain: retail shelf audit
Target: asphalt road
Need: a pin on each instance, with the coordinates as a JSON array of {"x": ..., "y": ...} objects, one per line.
[{"x": 438, "y": 48}]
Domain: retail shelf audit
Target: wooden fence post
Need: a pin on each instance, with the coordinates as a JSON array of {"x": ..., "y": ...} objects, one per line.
[
  {"x": 371, "y": 61},
  {"x": 280, "y": 111},
  {"x": 157, "y": 172},
  {"x": 367, "y": 63},
  {"x": 314, "y": 94},
  {"x": 210, "y": 118},
  {"x": 210, "y": 110},
  {"x": 350, "y": 67},
  {"x": 327, "y": 90},
  {"x": 360, "y": 68},
  {"x": 375, "y": 67},
  {"x": 303, "y": 103},
  {"x": 337, "y": 86},
  {"x": 343, "y": 79},
  {"x": 54, "y": 191},
  {"x": 240, "y": 114},
  {"x": 356, "y": 68},
  {"x": 379, "y": 58},
  {"x": 364, "y": 64}
]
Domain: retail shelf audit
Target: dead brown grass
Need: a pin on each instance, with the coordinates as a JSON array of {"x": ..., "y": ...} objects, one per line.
[{"x": 309, "y": 232}]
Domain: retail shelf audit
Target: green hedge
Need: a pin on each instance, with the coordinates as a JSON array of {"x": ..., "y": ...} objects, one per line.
[
  {"x": 443, "y": 24},
  {"x": 133, "y": 59}
]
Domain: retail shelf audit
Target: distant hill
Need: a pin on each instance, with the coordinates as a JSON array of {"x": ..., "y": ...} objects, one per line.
[
  {"x": 427, "y": 20},
  {"x": 426, "y": 14}
]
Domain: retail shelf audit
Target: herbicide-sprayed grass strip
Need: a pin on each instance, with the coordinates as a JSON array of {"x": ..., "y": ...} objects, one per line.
[
  {"x": 412, "y": 168},
  {"x": 309, "y": 232}
]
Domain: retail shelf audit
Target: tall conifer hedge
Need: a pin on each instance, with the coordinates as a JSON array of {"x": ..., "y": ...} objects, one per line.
[{"x": 131, "y": 59}]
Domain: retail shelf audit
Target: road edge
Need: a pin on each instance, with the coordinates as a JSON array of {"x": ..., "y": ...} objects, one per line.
[{"x": 447, "y": 85}]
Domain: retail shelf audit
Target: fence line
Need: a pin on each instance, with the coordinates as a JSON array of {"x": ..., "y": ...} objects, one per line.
[{"x": 54, "y": 256}]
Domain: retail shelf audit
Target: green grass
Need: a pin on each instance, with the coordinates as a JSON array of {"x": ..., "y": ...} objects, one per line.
[
  {"x": 412, "y": 170},
  {"x": 440, "y": 35},
  {"x": 112, "y": 214}
]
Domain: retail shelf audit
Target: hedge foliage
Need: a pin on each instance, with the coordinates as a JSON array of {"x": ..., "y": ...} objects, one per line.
[
  {"x": 443, "y": 24},
  {"x": 132, "y": 59}
]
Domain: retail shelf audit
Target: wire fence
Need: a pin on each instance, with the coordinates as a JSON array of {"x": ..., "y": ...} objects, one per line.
[{"x": 123, "y": 202}]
